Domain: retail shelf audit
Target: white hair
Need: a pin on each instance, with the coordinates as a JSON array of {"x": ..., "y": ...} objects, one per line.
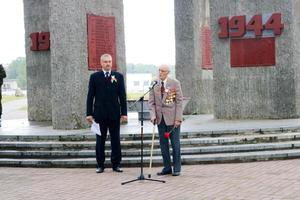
[{"x": 165, "y": 66}]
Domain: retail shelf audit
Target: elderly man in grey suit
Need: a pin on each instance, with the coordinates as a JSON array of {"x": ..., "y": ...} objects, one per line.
[{"x": 165, "y": 102}]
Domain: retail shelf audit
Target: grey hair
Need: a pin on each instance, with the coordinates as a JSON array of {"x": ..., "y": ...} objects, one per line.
[{"x": 106, "y": 55}]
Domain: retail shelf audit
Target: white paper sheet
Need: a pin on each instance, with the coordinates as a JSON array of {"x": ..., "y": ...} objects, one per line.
[{"x": 95, "y": 128}]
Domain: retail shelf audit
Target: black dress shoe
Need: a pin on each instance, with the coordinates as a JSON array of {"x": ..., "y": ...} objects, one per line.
[
  {"x": 100, "y": 170},
  {"x": 117, "y": 169},
  {"x": 162, "y": 173}
]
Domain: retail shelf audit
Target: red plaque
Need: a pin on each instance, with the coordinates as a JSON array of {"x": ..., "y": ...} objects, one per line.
[
  {"x": 206, "y": 48},
  {"x": 252, "y": 52},
  {"x": 101, "y": 39}
]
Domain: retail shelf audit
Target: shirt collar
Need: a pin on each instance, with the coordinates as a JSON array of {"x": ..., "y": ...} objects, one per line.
[
  {"x": 165, "y": 81},
  {"x": 109, "y": 72}
]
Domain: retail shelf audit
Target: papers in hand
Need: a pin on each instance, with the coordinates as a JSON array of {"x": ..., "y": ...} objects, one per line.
[{"x": 95, "y": 128}]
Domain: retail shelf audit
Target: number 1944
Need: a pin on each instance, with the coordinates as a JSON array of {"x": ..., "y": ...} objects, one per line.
[{"x": 237, "y": 26}]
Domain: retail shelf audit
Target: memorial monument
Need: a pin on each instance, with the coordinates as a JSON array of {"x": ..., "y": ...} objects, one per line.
[
  {"x": 235, "y": 59},
  {"x": 193, "y": 65},
  {"x": 256, "y": 58},
  {"x": 64, "y": 40}
]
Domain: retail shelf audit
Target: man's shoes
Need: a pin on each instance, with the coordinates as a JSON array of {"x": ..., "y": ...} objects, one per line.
[
  {"x": 176, "y": 174},
  {"x": 162, "y": 173},
  {"x": 100, "y": 170},
  {"x": 117, "y": 169}
]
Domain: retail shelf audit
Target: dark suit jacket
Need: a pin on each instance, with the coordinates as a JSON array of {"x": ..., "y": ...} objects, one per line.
[
  {"x": 106, "y": 98},
  {"x": 2, "y": 74}
]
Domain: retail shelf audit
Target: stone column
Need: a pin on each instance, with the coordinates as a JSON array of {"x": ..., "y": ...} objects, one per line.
[
  {"x": 296, "y": 52},
  {"x": 257, "y": 92},
  {"x": 36, "y": 19},
  {"x": 196, "y": 83},
  {"x": 69, "y": 64}
]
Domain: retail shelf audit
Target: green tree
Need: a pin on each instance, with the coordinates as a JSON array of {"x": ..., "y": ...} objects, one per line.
[
  {"x": 17, "y": 70},
  {"x": 146, "y": 68}
]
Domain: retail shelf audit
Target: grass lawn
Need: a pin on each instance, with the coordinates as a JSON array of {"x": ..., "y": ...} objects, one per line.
[{"x": 8, "y": 98}]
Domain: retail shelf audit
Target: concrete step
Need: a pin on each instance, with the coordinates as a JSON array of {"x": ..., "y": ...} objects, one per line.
[
  {"x": 146, "y": 151},
  {"x": 147, "y": 136},
  {"x": 135, "y": 161},
  {"x": 188, "y": 142},
  {"x": 124, "y": 137}
]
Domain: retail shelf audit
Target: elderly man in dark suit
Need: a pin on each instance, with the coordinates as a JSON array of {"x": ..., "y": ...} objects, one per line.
[
  {"x": 165, "y": 101},
  {"x": 2, "y": 76},
  {"x": 106, "y": 105}
]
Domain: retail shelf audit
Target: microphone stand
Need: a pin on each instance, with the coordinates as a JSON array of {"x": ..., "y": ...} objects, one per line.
[{"x": 142, "y": 177}]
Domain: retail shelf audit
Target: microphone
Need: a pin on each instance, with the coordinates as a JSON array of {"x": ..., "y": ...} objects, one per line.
[{"x": 153, "y": 83}]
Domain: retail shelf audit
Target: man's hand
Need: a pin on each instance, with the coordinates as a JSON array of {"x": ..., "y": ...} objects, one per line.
[
  {"x": 124, "y": 119},
  {"x": 177, "y": 123},
  {"x": 89, "y": 119},
  {"x": 153, "y": 120}
]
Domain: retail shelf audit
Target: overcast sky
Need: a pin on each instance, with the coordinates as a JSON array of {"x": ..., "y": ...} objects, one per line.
[
  {"x": 149, "y": 31},
  {"x": 12, "y": 30}
]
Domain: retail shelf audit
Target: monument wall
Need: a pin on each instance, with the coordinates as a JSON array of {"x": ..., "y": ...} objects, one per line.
[
  {"x": 68, "y": 26},
  {"x": 296, "y": 52},
  {"x": 256, "y": 58},
  {"x": 196, "y": 82},
  {"x": 36, "y": 18}
]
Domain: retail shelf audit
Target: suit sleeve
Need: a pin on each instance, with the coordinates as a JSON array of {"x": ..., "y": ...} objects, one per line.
[
  {"x": 2, "y": 72},
  {"x": 179, "y": 101},
  {"x": 122, "y": 96},
  {"x": 90, "y": 97}
]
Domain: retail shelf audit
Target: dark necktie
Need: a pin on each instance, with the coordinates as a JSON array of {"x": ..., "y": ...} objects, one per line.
[
  {"x": 106, "y": 74},
  {"x": 162, "y": 89}
]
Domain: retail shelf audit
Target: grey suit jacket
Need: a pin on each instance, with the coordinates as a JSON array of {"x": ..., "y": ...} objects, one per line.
[{"x": 170, "y": 105}]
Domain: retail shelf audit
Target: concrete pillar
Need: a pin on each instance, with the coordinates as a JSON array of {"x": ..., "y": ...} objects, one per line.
[
  {"x": 196, "y": 83},
  {"x": 257, "y": 92},
  {"x": 58, "y": 79},
  {"x": 36, "y": 19},
  {"x": 69, "y": 64},
  {"x": 296, "y": 52}
]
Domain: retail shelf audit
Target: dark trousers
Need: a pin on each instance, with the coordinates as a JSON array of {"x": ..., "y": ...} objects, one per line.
[
  {"x": 114, "y": 130},
  {"x": 164, "y": 147},
  {"x": 0, "y": 102}
]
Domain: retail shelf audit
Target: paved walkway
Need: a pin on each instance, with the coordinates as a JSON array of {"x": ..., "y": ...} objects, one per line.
[{"x": 254, "y": 181}]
